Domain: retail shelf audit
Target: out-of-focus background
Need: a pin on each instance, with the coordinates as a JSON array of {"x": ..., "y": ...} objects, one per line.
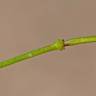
[{"x": 29, "y": 24}]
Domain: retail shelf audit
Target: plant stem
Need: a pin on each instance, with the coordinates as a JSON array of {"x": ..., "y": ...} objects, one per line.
[
  {"x": 80, "y": 40},
  {"x": 58, "y": 45}
]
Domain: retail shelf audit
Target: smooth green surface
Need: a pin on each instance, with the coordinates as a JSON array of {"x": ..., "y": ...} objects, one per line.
[
  {"x": 81, "y": 40},
  {"x": 58, "y": 45}
]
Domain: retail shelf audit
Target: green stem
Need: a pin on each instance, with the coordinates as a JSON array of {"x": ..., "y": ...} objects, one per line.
[
  {"x": 80, "y": 40},
  {"x": 58, "y": 45}
]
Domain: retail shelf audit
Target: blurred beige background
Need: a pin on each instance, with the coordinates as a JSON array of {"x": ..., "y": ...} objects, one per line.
[{"x": 29, "y": 24}]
